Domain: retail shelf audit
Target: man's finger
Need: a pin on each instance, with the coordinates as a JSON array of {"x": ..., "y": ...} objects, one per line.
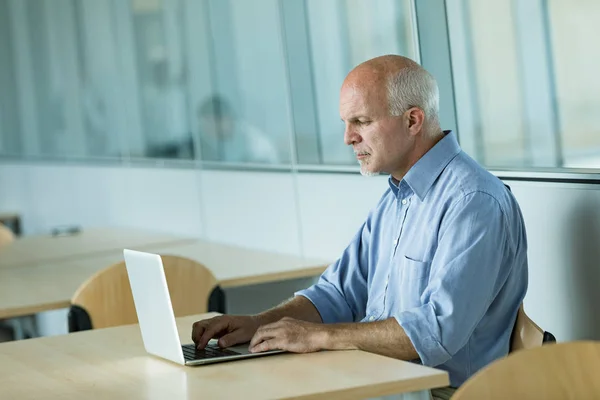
[
  {"x": 264, "y": 333},
  {"x": 198, "y": 329},
  {"x": 215, "y": 328},
  {"x": 231, "y": 339},
  {"x": 199, "y": 326},
  {"x": 269, "y": 344}
]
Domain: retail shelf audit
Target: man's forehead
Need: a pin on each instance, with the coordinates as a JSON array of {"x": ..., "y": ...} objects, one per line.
[
  {"x": 352, "y": 97},
  {"x": 348, "y": 91},
  {"x": 358, "y": 95}
]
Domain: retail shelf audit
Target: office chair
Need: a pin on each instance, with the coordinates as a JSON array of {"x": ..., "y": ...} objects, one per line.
[
  {"x": 561, "y": 371},
  {"x": 527, "y": 334},
  {"x": 105, "y": 299}
]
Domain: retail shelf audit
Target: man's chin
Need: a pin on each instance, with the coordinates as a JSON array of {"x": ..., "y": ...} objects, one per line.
[{"x": 365, "y": 172}]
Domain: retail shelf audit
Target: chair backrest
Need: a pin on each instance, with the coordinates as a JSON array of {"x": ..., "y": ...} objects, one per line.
[
  {"x": 106, "y": 297},
  {"x": 6, "y": 236},
  {"x": 527, "y": 334},
  {"x": 561, "y": 371}
]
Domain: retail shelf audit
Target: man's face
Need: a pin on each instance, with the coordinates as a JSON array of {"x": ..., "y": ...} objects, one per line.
[{"x": 380, "y": 141}]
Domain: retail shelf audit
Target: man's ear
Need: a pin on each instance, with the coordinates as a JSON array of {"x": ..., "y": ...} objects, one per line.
[{"x": 415, "y": 119}]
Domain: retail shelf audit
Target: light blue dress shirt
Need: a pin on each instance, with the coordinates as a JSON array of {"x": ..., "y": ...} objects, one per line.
[{"x": 444, "y": 252}]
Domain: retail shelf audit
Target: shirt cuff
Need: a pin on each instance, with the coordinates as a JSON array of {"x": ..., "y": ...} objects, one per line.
[
  {"x": 333, "y": 308},
  {"x": 421, "y": 326}
]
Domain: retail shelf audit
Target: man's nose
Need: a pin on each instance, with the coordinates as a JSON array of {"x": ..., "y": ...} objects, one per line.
[{"x": 351, "y": 137}]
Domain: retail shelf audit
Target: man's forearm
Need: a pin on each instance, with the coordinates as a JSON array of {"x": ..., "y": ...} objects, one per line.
[
  {"x": 382, "y": 337},
  {"x": 298, "y": 307}
]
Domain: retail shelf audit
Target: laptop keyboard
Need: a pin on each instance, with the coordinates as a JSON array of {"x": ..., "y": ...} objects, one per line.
[{"x": 191, "y": 353}]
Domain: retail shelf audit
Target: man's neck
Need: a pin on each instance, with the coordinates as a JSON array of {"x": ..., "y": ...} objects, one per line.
[{"x": 421, "y": 148}]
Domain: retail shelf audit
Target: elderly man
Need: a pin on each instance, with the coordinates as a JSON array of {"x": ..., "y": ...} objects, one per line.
[{"x": 437, "y": 271}]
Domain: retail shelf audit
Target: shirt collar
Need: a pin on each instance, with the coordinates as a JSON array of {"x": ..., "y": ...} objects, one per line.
[{"x": 421, "y": 176}]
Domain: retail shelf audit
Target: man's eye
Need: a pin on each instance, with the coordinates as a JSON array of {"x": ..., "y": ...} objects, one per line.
[{"x": 364, "y": 122}]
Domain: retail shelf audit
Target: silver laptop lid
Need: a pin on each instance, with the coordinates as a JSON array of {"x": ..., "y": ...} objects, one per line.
[{"x": 153, "y": 305}]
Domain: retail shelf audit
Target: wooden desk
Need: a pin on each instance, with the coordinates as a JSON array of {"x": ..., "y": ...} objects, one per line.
[
  {"x": 112, "y": 363},
  {"x": 49, "y": 286},
  {"x": 39, "y": 249}
]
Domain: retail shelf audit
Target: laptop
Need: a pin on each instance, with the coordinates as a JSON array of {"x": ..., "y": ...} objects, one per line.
[{"x": 157, "y": 320}]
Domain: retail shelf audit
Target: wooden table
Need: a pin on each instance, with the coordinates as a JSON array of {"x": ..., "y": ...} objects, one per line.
[
  {"x": 112, "y": 363},
  {"x": 43, "y": 249},
  {"x": 49, "y": 286}
]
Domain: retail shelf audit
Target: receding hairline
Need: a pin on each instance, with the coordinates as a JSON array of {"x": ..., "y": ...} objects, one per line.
[
  {"x": 381, "y": 69},
  {"x": 377, "y": 73}
]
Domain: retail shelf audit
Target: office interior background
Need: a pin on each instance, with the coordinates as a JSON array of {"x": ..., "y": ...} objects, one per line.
[{"x": 219, "y": 119}]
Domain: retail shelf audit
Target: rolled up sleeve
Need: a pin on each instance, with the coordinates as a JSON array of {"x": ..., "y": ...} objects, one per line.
[
  {"x": 467, "y": 271},
  {"x": 341, "y": 293}
]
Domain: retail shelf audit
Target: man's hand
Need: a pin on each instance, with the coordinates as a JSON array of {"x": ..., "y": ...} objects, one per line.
[
  {"x": 230, "y": 329},
  {"x": 291, "y": 335}
]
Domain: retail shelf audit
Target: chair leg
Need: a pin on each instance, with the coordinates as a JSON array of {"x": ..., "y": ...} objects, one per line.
[
  {"x": 7, "y": 333},
  {"x": 30, "y": 327},
  {"x": 23, "y": 327},
  {"x": 216, "y": 301}
]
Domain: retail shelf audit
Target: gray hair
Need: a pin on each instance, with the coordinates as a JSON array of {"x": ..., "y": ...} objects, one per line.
[{"x": 414, "y": 87}]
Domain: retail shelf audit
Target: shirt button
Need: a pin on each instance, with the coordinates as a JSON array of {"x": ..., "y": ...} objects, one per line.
[
  {"x": 371, "y": 318},
  {"x": 387, "y": 281},
  {"x": 404, "y": 201},
  {"x": 395, "y": 242}
]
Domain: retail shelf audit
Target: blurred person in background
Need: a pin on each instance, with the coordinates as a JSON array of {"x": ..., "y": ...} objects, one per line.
[{"x": 227, "y": 138}]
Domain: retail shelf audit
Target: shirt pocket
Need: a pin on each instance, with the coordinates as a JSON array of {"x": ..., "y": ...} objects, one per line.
[
  {"x": 415, "y": 270},
  {"x": 414, "y": 280}
]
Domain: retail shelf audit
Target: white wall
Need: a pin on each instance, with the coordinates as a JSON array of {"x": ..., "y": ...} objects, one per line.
[
  {"x": 311, "y": 214},
  {"x": 563, "y": 226}
]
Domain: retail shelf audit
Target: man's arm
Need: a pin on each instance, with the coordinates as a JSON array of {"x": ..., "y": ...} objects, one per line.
[
  {"x": 298, "y": 307},
  {"x": 382, "y": 337}
]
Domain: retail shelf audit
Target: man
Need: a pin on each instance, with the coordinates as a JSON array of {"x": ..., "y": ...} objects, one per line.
[{"x": 439, "y": 268}]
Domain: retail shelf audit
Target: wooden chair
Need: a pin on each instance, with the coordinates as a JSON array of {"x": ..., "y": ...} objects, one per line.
[
  {"x": 105, "y": 299},
  {"x": 6, "y": 236},
  {"x": 561, "y": 371},
  {"x": 526, "y": 334}
]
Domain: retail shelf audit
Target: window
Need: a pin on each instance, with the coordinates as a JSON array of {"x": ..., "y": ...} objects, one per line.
[
  {"x": 10, "y": 142},
  {"x": 576, "y": 55},
  {"x": 221, "y": 81},
  {"x": 526, "y": 83},
  {"x": 62, "y": 80},
  {"x": 257, "y": 82},
  {"x": 498, "y": 90}
]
